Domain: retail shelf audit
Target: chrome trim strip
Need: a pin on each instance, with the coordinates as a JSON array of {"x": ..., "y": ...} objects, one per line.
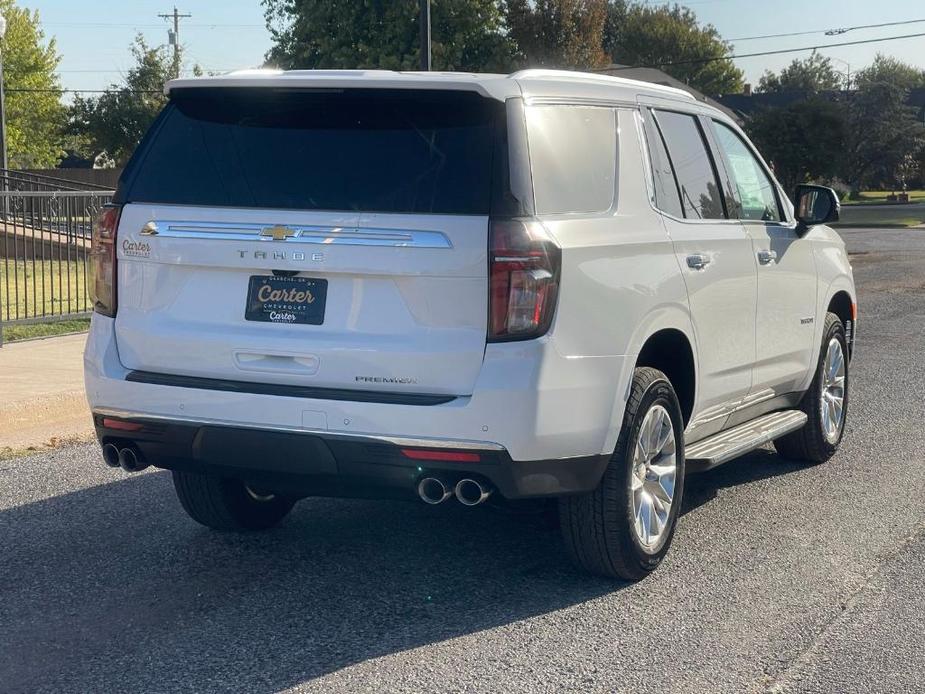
[
  {"x": 324, "y": 235},
  {"x": 396, "y": 440},
  {"x": 579, "y": 101},
  {"x": 728, "y": 409}
]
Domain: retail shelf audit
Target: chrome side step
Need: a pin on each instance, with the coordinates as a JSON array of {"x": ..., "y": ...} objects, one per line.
[{"x": 726, "y": 445}]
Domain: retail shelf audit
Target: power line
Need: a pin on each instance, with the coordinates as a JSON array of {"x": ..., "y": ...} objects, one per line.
[
  {"x": 696, "y": 61},
  {"x": 103, "y": 71},
  {"x": 48, "y": 90},
  {"x": 700, "y": 61},
  {"x": 142, "y": 25},
  {"x": 828, "y": 32}
]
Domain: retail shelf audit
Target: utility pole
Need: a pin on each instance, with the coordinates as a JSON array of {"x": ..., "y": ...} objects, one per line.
[
  {"x": 425, "y": 35},
  {"x": 174, "y": 37}
]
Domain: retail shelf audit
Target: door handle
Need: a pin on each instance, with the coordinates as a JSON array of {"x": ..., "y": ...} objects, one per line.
[
  {"x": 766, "y": 256},
  {"x": 698, "y": 261}
]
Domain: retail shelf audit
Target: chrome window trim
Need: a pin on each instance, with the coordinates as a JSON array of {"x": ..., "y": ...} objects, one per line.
[
  {"x": 579, "y": 101},
  {"x": 301, "y": 233},
  {"x": 395, "y": 440}
]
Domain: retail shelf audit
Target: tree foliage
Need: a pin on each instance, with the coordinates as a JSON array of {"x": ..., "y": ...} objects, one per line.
[
  {"x": 112, "y": 124},
  {"x": 883, "y": 130},
  {"x": 803, "y": 141},
  {"x": 501, "y": 35},
  {"x": 559, "y": 33},
  {"x": 671, "y": 39},
  {"x": 866, "y": 136},
  {"x": 886, "y": 70},
  {"x": 466, "y": 34},
  {"x": 811, "y": 75},
  {"x": 35, "y": 117}
]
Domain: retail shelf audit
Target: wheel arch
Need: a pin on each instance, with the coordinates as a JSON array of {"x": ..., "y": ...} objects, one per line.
[
  {"x": 842, "y": 305},
  {"x": 670, "y": 351},
  {"x": 667, "y": 324}
]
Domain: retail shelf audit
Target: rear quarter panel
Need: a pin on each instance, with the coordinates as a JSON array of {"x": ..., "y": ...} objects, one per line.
[{"x": 620, "y": 278}]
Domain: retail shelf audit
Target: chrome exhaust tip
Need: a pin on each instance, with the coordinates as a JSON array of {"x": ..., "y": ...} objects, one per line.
[
  {"x": 130, "y": 460},
  {"x": 432, "y": 490},
  {"x": 111, "y": 455},
  {"x": 471, "y": 492}
]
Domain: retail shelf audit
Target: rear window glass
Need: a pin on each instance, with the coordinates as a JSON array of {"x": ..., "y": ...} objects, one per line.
[
  {"x": 363, "y": 150},
  {"x": 573, "y": 152}
]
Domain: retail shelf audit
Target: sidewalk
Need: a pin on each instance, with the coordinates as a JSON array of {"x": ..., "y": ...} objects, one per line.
[{"x": 42, "y": 393}]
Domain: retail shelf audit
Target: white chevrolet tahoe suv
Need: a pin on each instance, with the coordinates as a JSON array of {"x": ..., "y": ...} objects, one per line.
[{"x": 454, "y": 286}]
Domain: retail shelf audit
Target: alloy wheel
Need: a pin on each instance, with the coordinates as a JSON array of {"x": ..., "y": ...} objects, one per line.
[
  {"x": 652, "y": 481},
  {"x": 832, "y": 402}
]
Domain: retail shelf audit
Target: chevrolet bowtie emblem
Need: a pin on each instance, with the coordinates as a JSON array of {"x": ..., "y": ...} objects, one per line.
[{"x": 278, "y": 232}]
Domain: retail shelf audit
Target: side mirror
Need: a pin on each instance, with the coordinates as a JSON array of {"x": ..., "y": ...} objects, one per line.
[{"x": 815, "y": 205}]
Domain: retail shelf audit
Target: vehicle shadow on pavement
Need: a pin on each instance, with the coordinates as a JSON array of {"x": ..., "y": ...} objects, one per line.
[
  {"x": 763, "y": 463},
  {"x": 113, "y": 588}
]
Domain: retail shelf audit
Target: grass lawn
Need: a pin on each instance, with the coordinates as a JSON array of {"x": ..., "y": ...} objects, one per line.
[
  {"x": 12, "y": 333},
  {"x": 894, "y": 215},
  {"x": 47, "y": 287},
  {"x": 878, "y": 197}
]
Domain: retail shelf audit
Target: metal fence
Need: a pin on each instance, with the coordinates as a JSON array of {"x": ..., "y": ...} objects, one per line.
[{"x": 45, "y": 228}]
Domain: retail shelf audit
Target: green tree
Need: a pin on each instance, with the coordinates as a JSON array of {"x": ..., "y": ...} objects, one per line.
[
  {"x": 466, "y": 34},
  {"x": 803, "y": 141},
  {"x": 882, "y": 128},
  {"x": 35, "y": 118},
  {"x": 112, "y": 124},
  {"x": 812, "y": 75},
  {"x": 559, "y": 33},
  {"x": 671, "y": 39},
  {"x": 890, "y": 71}
]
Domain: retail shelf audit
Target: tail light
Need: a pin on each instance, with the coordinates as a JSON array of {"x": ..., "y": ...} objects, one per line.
[
  {"x": 103, "y": 261},
  {"x": 523, "y": 279}
]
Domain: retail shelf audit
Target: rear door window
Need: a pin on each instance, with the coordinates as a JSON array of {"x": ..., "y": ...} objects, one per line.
[
  {"x": 573, "y": 155},
  {"x": 667, "y": 195},
  {"x": 693, "y": 165},
  {"x": 353, "y": 150}
]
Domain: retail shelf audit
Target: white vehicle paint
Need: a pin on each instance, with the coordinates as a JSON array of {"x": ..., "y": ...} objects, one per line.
[{"x": 407, "y": 352}]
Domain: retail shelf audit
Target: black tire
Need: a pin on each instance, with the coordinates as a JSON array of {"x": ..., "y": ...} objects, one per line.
[
  {"x": 227, "y": 504},
  {"x": 810, "y": 444},
  {"x": 598, "y": 527}
]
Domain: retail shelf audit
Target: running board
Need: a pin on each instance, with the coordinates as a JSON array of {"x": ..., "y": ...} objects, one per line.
[{"x": 726, "y": 445}]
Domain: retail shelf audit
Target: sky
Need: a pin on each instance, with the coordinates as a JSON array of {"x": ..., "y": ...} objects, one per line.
[{"x": 94, "y": 35}]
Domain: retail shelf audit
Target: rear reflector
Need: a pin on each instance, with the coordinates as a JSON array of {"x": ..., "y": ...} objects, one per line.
[
  {"x": 122, "y": 426},
  {"x": 451, "y": 456}
]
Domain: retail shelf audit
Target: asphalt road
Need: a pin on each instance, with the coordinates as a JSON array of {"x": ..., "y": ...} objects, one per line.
[{"x": 781, "y": 578}]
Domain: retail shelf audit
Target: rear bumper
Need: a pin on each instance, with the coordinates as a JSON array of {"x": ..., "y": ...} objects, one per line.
[
  {"x": 326, "y": 464},
  {"x": 529, "y": 401}
]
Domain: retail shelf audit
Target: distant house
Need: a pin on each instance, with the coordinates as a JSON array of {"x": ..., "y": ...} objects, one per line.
[{"x": 655, "y": 76}]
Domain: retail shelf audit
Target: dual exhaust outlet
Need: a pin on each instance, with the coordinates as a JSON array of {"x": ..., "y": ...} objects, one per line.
[
  {"x": 128, "y": 458},
  {"x": 469, "y": 492}
]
